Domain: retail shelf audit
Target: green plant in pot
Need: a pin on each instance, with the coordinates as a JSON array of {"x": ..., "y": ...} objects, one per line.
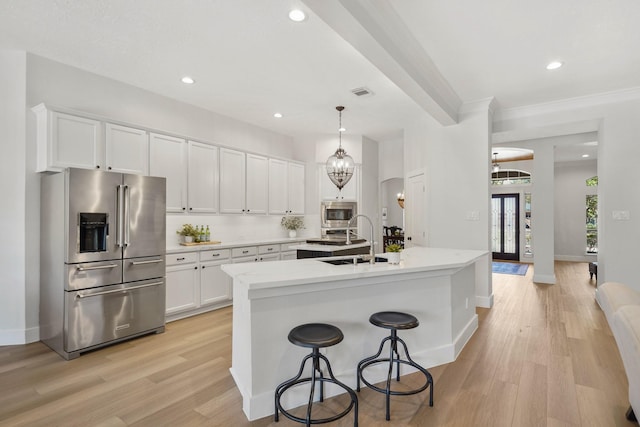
[
  {"x": 393, "y": 253},
  {"x": 292, "y": 223},
  {"x": 189, "y": 232}
]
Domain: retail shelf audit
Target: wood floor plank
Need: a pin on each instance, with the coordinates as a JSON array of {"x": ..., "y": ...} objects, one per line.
[{"x": 543, "y": 355}]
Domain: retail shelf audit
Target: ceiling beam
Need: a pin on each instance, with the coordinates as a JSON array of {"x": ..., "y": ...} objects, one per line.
[{"x": 376, "y": 30}]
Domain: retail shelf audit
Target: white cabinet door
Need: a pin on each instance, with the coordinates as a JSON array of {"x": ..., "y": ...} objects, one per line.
[
  {"x": 167, "y": 158},
  {"x": 232, "y": 181},
  {"x": 126, "y": 149},
  {"x": 203, "y": 177},
  {"x": 182, "y": 288},
  {"x": 278, "y": 188},
  {"x": 288, "y": 255},
  {"x": 65, "y": 140},
  {"x": 328, "y": 190},
  {"x": 215, "y": 284},
  {"x": 268, "y": 257},
  {"x": 295, "y": 181},
  {"x": 286, "y": 187},
  {"x": 257, "y": 184}
]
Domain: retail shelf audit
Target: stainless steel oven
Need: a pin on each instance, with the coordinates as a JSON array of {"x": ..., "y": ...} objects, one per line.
[{"x": 337, "y": 214}]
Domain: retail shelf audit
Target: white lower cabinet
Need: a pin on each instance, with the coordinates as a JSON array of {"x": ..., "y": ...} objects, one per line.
[
  {"x": 215, "y": 284},
  {"x": 182, "y": 281},
  {"x": 196, "y": 283}
]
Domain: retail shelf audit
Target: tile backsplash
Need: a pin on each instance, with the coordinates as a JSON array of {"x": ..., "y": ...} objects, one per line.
[{"x": 239, "y": 227}]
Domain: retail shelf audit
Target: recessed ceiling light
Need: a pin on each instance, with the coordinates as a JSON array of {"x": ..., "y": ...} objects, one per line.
[
  {"x": 296, "y": 15},
  {"x": 188, "y": 80},
  {"x": 585, "y": 155},
  {"x": 554, "y": 65},
  {"x": 277, "y": 115}
]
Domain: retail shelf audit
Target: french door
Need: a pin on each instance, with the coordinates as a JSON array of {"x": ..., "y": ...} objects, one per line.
[{"x": 505, "y": 226}]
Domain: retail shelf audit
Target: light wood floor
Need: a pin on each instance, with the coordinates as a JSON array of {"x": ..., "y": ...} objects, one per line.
[{"x": 542, "y": 356}]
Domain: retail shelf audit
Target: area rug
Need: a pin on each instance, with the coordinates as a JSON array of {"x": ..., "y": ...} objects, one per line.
[{"x": 509, "y": 268}]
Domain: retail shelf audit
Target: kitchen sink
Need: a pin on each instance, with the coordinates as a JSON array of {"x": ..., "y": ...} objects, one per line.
[{"x": 350, "y": 261}]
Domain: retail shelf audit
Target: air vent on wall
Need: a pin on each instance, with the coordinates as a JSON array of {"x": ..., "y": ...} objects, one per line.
[{"x": 361, "y": 91}]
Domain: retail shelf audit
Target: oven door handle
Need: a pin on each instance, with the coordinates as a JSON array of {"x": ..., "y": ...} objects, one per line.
[
  {"x": 151, "y": 261},
  {"x": 97, "y": 267},
  {"x": 115, "y": 291}
]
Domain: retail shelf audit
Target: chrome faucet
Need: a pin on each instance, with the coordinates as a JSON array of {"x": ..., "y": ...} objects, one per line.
[{"x": 372, "y": 256}]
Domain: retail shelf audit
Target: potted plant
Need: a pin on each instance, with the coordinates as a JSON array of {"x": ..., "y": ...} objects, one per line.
[
  {"x": 393, "y": 253},
  {"x": 189, "y": 232},
  {"x": 292, "y": 223}
]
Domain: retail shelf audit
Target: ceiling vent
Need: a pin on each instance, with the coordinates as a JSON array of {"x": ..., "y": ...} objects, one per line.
[{"x": 361, "y": 91}]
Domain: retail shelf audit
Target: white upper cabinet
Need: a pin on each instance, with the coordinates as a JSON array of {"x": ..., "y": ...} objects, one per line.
[
  {"x": 278, "y": 193},
  {"x": 328, "y": 190},
  {"x": 257, "y": 190},
  {"x": 65, "y": 140},
  {"x": 232, "y": 181},
  {"x": 286, "y": 187},
  {"x": 126, "y": 149},
  {"x": 296, "y": 182},
  {"x": 167, "y": 158},
  {"x": 203, "y": 178}
]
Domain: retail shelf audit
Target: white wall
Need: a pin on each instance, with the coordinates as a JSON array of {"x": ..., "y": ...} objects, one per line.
[
  {"x": 456, "y": 160},
  {"x": 615, "y": 118},
  {"x": 570, "y": 199},
  {"x": 16, "y": 324}
]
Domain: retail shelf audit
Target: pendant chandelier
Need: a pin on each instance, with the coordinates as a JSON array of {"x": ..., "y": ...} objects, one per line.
[
  {"x": 496, "y": 166},
  {"x": 340, "y": 165}
]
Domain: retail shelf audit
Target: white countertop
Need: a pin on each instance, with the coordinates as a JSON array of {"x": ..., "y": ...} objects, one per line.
[
  {"x": 279, "y": 274},
  {"x": 177, "y": 248}
]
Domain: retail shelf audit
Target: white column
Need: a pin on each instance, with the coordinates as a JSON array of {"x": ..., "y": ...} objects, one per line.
[
  {"x": 12, "y": 215},
  {"x": 542, "y": 212}
]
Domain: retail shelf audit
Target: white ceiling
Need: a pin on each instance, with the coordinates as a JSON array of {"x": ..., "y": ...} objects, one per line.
[{"x": 249, "y": 60}]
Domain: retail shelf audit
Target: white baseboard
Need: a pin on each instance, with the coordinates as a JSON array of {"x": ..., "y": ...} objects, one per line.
[
  {"x": 484, "y": 302},
  {"x": 549, "y": 279}
]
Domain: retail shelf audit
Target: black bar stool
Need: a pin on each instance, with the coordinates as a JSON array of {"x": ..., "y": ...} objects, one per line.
[
  {"x": 393, "y": 320},
  {"x": 315, "y": 336}
]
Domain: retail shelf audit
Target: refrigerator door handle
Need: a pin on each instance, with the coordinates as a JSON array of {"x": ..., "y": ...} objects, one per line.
[
  {"x": 99, "y": 267},
  {"x": 119, "y": 218},
  {"x": 153, "y": 261},
  {"x": 121, "y": 290},
  {"x": 127, "y": 197}
]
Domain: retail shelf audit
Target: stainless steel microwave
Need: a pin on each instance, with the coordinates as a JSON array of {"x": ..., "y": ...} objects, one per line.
[{"x": 337, "y": 214}]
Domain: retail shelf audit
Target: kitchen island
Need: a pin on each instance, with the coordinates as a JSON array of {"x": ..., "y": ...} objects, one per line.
[{"x": 438, "y": 286}]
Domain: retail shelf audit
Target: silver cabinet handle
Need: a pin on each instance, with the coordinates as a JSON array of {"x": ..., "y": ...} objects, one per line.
[
  {"x": 97, "y": 267},
  {"x": 115, "y": 291},
  {"x": 245, "y": 252},
  {"x": 152, "y": 261}
]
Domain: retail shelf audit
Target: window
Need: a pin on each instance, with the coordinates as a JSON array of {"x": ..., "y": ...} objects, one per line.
[
  {"x": 592, "y": 217},
  {"x": 510, "y": 177}
]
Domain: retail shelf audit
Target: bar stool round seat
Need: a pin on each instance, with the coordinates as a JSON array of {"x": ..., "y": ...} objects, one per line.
[
  {"x": 394, "y": 321},
  {"x": 315, "y": 336}
]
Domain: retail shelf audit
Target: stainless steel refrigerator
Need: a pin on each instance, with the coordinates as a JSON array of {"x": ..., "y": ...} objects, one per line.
[{"x": 102, "y": 258}]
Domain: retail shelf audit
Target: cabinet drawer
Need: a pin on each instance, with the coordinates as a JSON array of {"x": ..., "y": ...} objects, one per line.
[
  {"x": 268, "y": 249},
  {"x": 183, "y": 258},
  {"x": 245, "y": 251},
  {"x": 287, "y": 246},
  {"x": 214, "y": 255}
]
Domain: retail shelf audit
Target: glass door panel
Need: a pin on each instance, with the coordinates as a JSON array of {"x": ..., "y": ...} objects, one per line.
[{"x": 505, "y": 226}]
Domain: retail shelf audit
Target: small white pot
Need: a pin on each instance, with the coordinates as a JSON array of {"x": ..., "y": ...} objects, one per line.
[
  {"x": 293, "y": 233},
  {"x": 393, "y": 257},
  {"x": 188, "y": 239}
]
